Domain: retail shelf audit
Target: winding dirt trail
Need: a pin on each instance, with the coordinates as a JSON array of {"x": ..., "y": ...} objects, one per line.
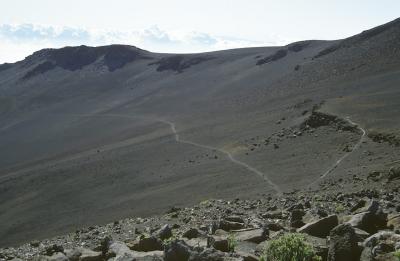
[
  {"x": 178, "y": 139},
  {"x": 337, "y": 163},
  {"x": 229, "y": 156}
]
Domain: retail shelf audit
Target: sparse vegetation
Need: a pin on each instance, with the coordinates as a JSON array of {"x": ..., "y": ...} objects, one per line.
[
  {"x": 232, "y": 242},
  {"x": 397, "y": 254},
  {"x": 290, "y": 247},
  {"x": 339, "y": 208}
]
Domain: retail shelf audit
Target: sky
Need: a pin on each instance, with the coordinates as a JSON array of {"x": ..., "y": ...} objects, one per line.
[{"x": 182, "y": 26}]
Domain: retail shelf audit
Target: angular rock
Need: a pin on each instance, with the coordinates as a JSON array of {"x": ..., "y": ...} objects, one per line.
[
  {"x": 319, "y": 245},
  {"x": 148, "y": 256},
  {"x": 146, "y": 244},
  {"x": 394, "y": 173},
  {"x": 371, "y": 206},
  {"x": 50, "y": 250},
  {"x": 83, "y": 254},
  {"x": 197, "y": 242},
  {"x": 229, "y": 225},
  {"x": 58, "y": 256},
  {"x": 119, "y": 251},
  {"x": 177, "y": 250},
  {"x": 296, "y": 218},
  {"x": 394, "y": 222},
  {"x": 237, "y": 219},
  {"x": 343, "y": 244},
  {"x": 361, "y": 234},
  {"x": 320, "y": 228},
  {"x": 252, "y": 235},
  {"x": 218, "y": 242},
  {"x": 210, "y": 254},
  {"x": 165, "y": 232},
  {"x": 247, "y": 256},
  {"x": 382, "y": 236},
  {"x": 274, "y": 226},
  {"x": 277, "y": 214},
  {"x": 191, "y": 233},
  {"x": 368, "y": 221}
]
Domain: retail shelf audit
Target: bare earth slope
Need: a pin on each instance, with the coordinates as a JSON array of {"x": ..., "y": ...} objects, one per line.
[{"x": 91, "y": 135}]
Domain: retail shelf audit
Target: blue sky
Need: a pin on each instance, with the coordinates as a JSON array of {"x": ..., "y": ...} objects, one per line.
[{"x": 182, "y": 25}]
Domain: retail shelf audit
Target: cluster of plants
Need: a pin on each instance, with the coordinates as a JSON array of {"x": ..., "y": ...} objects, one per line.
[{"x": 289, "y": 247}]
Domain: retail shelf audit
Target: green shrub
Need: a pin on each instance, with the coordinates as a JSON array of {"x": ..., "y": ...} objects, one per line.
[
  {"x": 397, "y": 254},
  {"x": 289, "y": 247},
  {"x": 232, "y": 242}
]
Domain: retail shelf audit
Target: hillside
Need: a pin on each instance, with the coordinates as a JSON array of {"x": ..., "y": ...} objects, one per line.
[{"x": 90, "y": 135}]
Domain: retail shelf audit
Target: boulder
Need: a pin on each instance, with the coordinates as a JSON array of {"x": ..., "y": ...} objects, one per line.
[
  {"x": 276, "y": 214},
  {"x": 251, "y": 235},
  {"x": 177, "y": 250},
  {"x": 197, "y": 242},
  {"x": 165, "y": 232},
  {"x": 119, "y": 251},
  {"x": 321, "y": 227},
  {"x": 247, "y": 256},
  {"x": 389, "y": 237},
  {"x": 191, "y": 233},
  {"x": 231, "y": 225},
  {"x": 371, "y": 206},
  {"x": 374, "y": 176},
  {"x": 394, "y": 173},
  {"x": 83, "y": 254},
  {"x": 369, "y": 221},
  {"x": 55, "y": 257},
  {"x": 148, "y": 256},
  {"x": 296, "y": 218},
  {"x": 219, "y": 242},
  {"x": 274, "y": 226},
  {"x": 361, "y": 234},
  {"x": 145, "y": 244},
  {"x": 319, "y": 245},
  {"x": 394, "y": 222},
  {"x": 237, "y": 219},
  {"x": 210, "y": 254},
  {"x": 361, "y": 203},
  {"x": 50, "y": 250},
  {"x": 343, "y": 244}
]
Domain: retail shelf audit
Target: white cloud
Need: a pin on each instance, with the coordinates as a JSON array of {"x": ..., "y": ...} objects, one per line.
[{"x": 18, "y": 41}]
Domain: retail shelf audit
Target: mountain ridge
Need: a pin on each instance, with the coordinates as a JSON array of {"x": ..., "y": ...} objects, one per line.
[{"x": 66, "y": 163}]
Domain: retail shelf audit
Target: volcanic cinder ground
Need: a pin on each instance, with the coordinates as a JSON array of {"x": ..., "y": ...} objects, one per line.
[{"x": 91, "y": 135}]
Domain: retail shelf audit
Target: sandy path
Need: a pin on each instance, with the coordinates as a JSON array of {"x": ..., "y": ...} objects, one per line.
[
  {"x": 228, "y": 155},
  {"x": 178, "y": 139},
  {"x": 337, "y": 163}
]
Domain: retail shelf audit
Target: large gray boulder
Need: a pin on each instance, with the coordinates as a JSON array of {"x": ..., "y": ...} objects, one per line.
[
  {"x": 251, "y": 235},
  {"x": 343, "y": 244},
  {"x": 320, "y": 228},
  {"x": 146, "y": 244},
  {"x": 369, "y": 221},
  {"x": 177, "y": 250}
]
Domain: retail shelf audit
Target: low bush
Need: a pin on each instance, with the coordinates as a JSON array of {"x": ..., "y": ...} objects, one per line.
[{"x": 289, "y": 247}]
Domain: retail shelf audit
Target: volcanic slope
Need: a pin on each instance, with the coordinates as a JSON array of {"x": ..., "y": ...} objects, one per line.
[{"x": 87, "y": 137}]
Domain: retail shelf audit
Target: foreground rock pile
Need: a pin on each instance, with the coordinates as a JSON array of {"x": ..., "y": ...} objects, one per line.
[{"x": 363, "y": 225}]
